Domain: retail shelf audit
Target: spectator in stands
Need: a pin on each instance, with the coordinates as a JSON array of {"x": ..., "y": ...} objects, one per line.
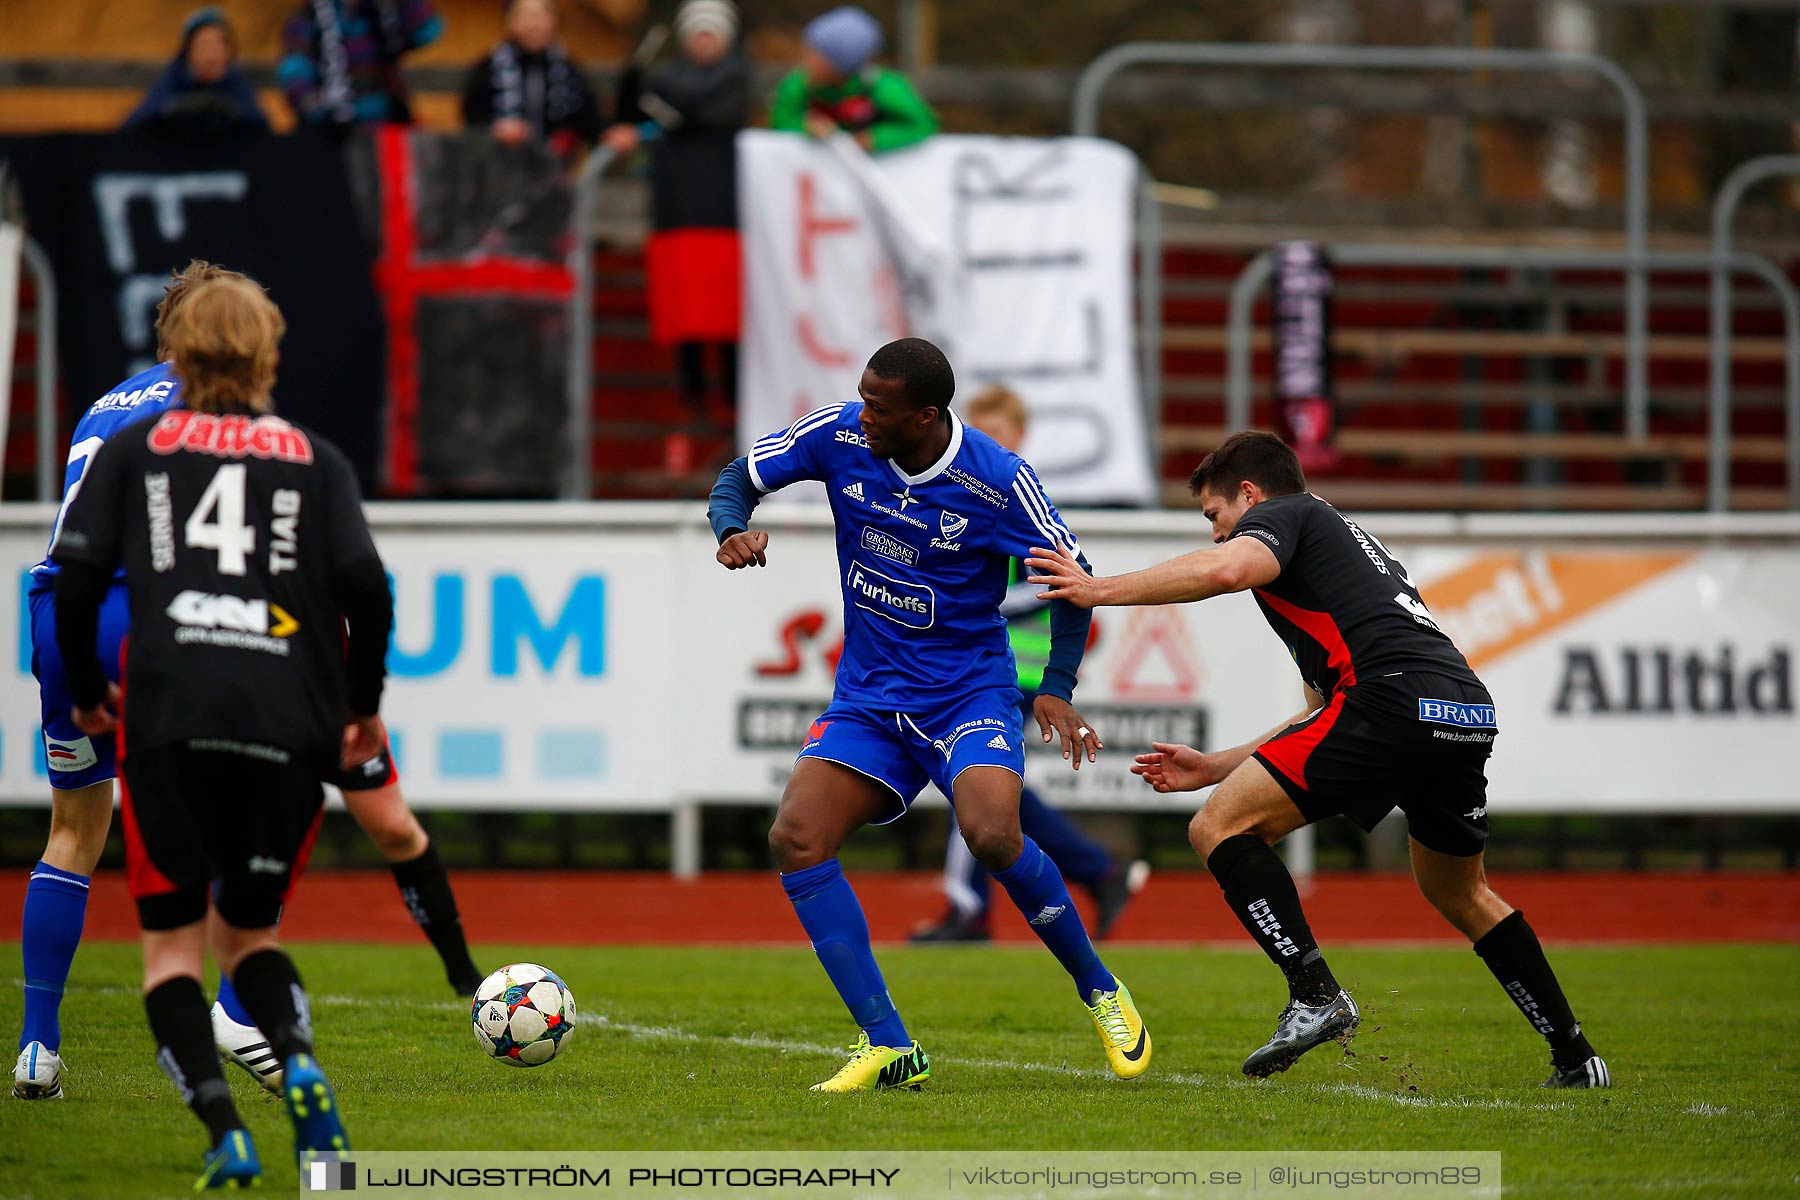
[
  {"x": 689, "y": 111},
  {"x": 838, "y": 87},
  {"x": 202, "y": 91},
  {"x": 341, "y": 66},
  {"x": 527, "y": 87}
]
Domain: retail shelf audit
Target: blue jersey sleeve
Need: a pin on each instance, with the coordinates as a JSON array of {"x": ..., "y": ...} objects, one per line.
[
  {"x": 795, "y": 453},
  {"x": 1031, "y": 521}
]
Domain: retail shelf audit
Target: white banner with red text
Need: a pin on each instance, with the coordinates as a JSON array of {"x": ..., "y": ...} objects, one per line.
[{"x": 1013, "y": 255}]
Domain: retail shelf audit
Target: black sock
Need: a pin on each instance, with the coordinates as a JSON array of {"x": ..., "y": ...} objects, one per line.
[
  {"x": 184, "y": 1050},
  {"x": 1512, "y": 952},
  {"x": 1261, "y": 893},
  {"x": 425, "y": 887},
  {"x": 270, "y": 988}
]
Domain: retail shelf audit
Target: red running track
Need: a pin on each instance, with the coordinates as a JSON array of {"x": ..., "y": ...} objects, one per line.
[{"x": 731, "y": 907}]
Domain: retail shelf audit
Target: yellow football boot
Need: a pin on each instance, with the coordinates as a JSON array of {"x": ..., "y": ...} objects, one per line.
[
  {"x": 1122, "y": 1031},
  {"x": 872, "y": 1067}
]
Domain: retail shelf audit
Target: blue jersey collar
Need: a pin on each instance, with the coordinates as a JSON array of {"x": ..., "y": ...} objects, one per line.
[{"x": 942, "y": 464}]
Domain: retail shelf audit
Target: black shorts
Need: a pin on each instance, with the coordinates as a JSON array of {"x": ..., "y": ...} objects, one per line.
[
  {"x": 196, "y": 817},
  {"x": 1418, "y": 742},
  {"x": 378, "y": 772}
]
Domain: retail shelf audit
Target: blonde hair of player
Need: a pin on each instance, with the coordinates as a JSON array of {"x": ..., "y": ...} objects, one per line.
[
  {"x": 180, "y": 283},
  {"x": 998, "y": 411},
  {"x": 224, "y": 338}
]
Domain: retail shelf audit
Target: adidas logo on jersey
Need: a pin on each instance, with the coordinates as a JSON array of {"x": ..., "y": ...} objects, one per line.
[
  {"x": 854, "y": 491},
  {"x": 998, "y": 743}
]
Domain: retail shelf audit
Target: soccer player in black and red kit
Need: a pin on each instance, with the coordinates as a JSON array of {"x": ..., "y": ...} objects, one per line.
[
  {"x": 1395, "y": 718},
  {"x": 260, "y": 615}
]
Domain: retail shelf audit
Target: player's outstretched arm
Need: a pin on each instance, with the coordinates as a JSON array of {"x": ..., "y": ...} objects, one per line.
[
  {"x": 728, "y": 511},
  {"x": 1238, "y": 564},
  {"x": 1174, "y": 768},
  {"x": 367, "y": 606}
]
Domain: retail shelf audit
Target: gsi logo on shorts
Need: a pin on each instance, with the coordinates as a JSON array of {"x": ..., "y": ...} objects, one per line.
[{"x": 77, "y": 755}]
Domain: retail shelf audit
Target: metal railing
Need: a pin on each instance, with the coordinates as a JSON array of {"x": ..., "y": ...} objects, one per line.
[
  {"x": 1085, "y": 119},
  {"x": 1150, "y": 307},
  {"x": 1725, "y": 205},
  {"x": 43, "y": 283},
  {"x": 1256, "y": 273},
  {"x": 578, "y": 481}
]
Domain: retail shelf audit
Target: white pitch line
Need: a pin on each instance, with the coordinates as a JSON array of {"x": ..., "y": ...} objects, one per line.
[{"x": 669, "y": 1033}]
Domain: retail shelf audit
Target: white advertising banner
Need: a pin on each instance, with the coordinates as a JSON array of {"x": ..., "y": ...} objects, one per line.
[
  {"x": 1206, "y": 675},
  {"x": 595, "y": 656},
  {"x": 1629, "y": 678},
  {"x": 1012, "y": 254}
]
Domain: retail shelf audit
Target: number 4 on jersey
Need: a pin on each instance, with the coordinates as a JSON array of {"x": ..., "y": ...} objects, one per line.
[{"x": 233, "y": 540}]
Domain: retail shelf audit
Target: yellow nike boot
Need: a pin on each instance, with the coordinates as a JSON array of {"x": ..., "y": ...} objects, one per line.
[
  {"x": 872, "y": 1067},
  {"x": 1122, "y": 1031}
]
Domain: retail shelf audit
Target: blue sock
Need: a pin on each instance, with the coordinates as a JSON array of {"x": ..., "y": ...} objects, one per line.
[
  {"x": 55, "y": 910},
  {"x": 234, "y": 1008},
  {"x": 832, "y": 918},
  {"x": 1038, "y": 889}
]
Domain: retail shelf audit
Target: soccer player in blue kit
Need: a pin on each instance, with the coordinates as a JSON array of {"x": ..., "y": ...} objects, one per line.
[
  {"x": 82, "y": 769},
  {"x": 929, "y": 515}
]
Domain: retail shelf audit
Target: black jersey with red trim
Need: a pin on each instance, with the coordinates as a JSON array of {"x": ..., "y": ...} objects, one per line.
[
  {"x": 1343, "y": 604},
  {"x": 238, "y": 535}
]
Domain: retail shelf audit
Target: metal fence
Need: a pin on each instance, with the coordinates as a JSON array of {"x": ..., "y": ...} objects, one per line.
[{"x": 1256, "y": 272}]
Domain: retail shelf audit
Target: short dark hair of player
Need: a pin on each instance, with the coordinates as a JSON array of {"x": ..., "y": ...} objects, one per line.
[
  {"x": 180, "y": 282},
  {"x": 1261, "y": 458},
  {"x": 225, "y": 338},
  {"x": 921, "y": 367}
]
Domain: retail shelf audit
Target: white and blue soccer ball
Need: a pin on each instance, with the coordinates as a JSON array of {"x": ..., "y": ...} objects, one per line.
[{"x": 523, "y": 1015}]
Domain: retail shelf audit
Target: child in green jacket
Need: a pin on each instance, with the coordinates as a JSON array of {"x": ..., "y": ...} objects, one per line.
[{"x": 836, "y": 87}]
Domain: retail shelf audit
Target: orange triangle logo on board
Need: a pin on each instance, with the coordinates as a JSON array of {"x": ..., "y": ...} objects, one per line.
[{"x": 1159, "y": 661}]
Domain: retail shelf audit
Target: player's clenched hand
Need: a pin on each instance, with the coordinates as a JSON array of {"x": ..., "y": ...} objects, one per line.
[
  {"x": 363, "y": 739},
  {"x": 103, "y": 717},
  {"x": 1059, "y": 716},
  {"x": 1170, "y": 768},
  {"x": 1062, "y": 577},
  {"x": 744, "y": 549}
]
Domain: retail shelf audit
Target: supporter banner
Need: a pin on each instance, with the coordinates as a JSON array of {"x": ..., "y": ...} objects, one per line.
[
  {"x": 580, "y": 657},
  {"x": 476, "y": 292},
  {"x": 1304, "y": 396},
  {"x": 116, "y": 212},
  {"x": 1013, "y": 254}
]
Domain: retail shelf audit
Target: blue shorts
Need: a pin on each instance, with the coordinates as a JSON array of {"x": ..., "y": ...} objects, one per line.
[
  {"x": 903, "y": 751},
  {"x": 71, "y": 757}
]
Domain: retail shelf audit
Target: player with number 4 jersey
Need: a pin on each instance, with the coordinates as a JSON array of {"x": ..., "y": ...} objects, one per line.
[
  {"x": 1395, "y": 718},
  {"x": 260, "y": 615},
  {"x": 81, "y": 770},
  {"x": 929, "y": 514}
]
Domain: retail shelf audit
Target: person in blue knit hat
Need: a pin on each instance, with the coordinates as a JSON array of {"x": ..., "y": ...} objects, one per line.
[
  {"x": 202, "y": 90},
  {"x": 838, "y": 86}
]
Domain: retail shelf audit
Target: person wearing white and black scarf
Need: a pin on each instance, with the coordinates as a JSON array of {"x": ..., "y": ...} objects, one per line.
[
  {"x": 341, "y": 60},
  {"x": 528, "y": 86}
]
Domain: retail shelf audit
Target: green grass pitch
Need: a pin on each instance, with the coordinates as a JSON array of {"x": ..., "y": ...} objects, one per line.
[{"x": 714, "y": 1049}]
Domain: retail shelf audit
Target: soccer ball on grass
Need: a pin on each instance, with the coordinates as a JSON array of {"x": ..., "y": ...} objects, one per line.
[{"x": 523, "y": 1015}]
